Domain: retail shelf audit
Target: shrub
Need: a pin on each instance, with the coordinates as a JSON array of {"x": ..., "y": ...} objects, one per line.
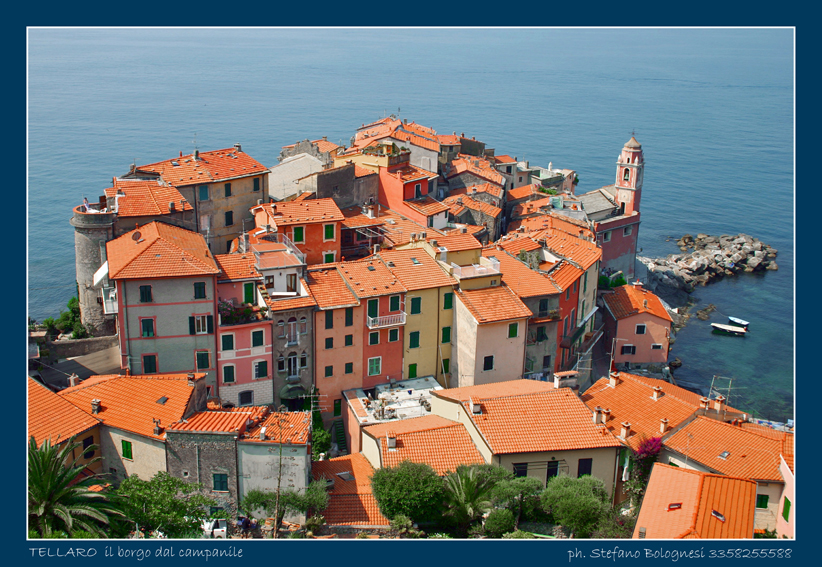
[
  {"x": 361, "y": 535},
  {"x": 519, "y": 534},
  {"x": 499, "y": 522},
  {"x": 577, "y": 503},
  {"x": 314, "y": 523},
  {"x": 409, "y": 489}
]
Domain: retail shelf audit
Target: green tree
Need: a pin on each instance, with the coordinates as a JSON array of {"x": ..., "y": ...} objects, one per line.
[
  {"x": 320, "y": 438},
  {"x": 410, "y": 489},
  {"x": 165, "y": 503},
  {"x": 467, "y": 496},
  {"x": 615, "y": 525},
  {"x": 517, "y": 494},
  {"x": 313, "y": 499},
  {"x": 499, "y": 522},
  {"x": 576, "y": 503},
  {"x": 56, "y": 502}
]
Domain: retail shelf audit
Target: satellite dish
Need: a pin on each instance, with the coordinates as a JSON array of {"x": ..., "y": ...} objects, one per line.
[{"x": 136, "y": 236}]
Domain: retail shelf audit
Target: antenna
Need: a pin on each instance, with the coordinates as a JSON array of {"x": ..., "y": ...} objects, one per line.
[{"x": 194, "y": 141}]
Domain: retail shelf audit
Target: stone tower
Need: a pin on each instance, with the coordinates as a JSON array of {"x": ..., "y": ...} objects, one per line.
[
  {"x": 630, "y": 168},
  {"x": 91, "y": 232}
]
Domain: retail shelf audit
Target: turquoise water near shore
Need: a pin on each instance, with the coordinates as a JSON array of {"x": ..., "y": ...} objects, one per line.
[{"x": 713, "y": 109}]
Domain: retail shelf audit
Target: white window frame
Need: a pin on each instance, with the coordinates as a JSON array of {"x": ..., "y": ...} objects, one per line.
[
  {"x": 234, "y": 381},
  {"x": 628, "y": 230},
  {"x": 240, "y": 404},
  {"x": 334, "y": 239},
  {"x": 333, "y": 256},
  {"x": 656, "y": 346},
  {"x": 379, "y": 369},
  {"x": 644, "y": 329},
  {"x": 200, "y": 324}
]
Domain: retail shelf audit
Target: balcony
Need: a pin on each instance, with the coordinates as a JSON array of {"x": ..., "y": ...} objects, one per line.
[
  {"x": 476, "y": 270},
  {"x": 393, "y": 320},
  {"x": 109, "y": 297}
]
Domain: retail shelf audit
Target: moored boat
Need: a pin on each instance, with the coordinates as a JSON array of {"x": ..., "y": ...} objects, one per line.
[
  {"x": 729, "y": 329},
  {"x": 739, "y": 322}
]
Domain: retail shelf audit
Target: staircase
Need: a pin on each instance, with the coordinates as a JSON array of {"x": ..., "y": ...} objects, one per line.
[{"x": 339, "y": 435}]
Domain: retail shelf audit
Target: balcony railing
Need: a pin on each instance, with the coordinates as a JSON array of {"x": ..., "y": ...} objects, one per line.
[
  {"x": 475, "y": 270},
  {"x": 387, "y": 321},
  {"x": 109, "y": 295}
]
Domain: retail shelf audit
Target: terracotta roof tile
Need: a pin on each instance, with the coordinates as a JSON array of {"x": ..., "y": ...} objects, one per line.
[
  {"x": 522, "y": 192},
  {"x": 530, "y": 207},
  {"x": 698, "y": 495},
  {"x": 161, "y": 251},
  {"x": 435, "y": 441},
  {"x": 132, "y": 402},
  {"x": 213, "y": 421},
  {"x": 360, "y": 171},
  {"x": 51, "y": 416},
  {"x": 514, "y": 243},
  {"x": 629, "y": 300},
  {"x": 563, "y": 273},
  {"x": 519, "y": 278},
  {"x": 457, "y": 242},
  {"x": 351, "y": 502},
  {"x": 494, "y": 390},
  {"x": 493, "y": 304},
  {"x": 355, "y": 219},
  {"x": 370, "y": 278},
  {"x": 408, "y": 172},
  {"x": 426, "y": 206},
  {"x": 323, "y": 146},
  {"x": 752, "y": 454},
  {"x": 329, "y": 290},
  {"x": 477, "y": 166},
  {"x": 553, "y": 420},
  {"x": 412, "y": 133},
  {"x": 504, "y": 159},
  {"x": 143, "y": 198},
  {"x": 292, "y": 428},
  {"x": 398, "y": 229},
  {"x": 449, "y": 139},
  {"x": 458, "y": 202},
  {"x": 217, "y": 165},
  {"x": 236, "y": 267},
  {"x": 472, "y": 229},
  {"x": 425, "y": 274},
  {"x": 583, "y": 252},
  {"x": 632, "y": 401},
  {"x": 286, "y": 213},
  {"x": 289, "y": 303},
  {"x": 489, "y": 188}
]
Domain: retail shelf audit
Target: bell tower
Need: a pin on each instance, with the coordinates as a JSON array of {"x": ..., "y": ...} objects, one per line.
[{"x": 630, "y": 168}]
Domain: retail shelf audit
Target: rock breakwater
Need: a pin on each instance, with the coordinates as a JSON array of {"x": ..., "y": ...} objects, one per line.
[{"x": 710, "y": 258}]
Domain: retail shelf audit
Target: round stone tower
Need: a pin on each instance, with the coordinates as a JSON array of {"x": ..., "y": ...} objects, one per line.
[{"x": 91, "y": 232}]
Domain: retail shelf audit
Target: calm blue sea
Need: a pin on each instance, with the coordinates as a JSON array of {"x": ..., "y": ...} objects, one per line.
[{"x": 713, "y": 109}]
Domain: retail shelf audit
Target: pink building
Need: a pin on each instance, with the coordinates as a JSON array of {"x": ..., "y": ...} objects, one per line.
[{"x": 637, "y": 326}]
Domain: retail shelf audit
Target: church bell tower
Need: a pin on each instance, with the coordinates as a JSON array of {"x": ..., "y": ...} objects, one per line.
[{"x": 630, "y": 168}]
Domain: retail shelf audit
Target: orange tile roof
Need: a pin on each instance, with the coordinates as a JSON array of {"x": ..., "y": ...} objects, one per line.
[
  {"x": 479, "y": 167},
  {"x": 786, "y": 438},
  {"x": 553, "y": 420},
  {"x": 629, "y": 300},
  {"x": 360, "y": 171},
  {"x": 161, "y": 251},
  {"x": 408, "y": 172},
  {"x": 522, "y": 192},
  {"x": 425, "y": 274},
  {"x": 752, "y": 454},
  {"x": 504, "y": 159},
  {"x": 215, "y": 421},
  {"x": 143, "y": 198},
  {"x": 50, "y": 416},
  {"x": 494, "y": 390},
  {"x": 472, "y": 229},
  {"x": 412, "y": 133},
  {"x": 305, "y": 196},
  {"x": 519, "y": 278},
  {"x": 323, "y": 146},
  {"x": 457, "y": 242},
  {"x": 530, "y": 207},
  {"x": 289, "y": 303},
  {"x": 329, "y": 290},
  {"x": 632, "y": 401},
  {"x": 398, "y": 229},
  {"x": 351, "y": 502},
  {"x": 370, "y": 278},
  {"x": 291, "y": 428},
  {"x": 550, "y": 220},
  {"x": 493, "y": 304},
  {"x": 426, "y": 206},
  {"x": 489, "y": 188},
  {"x": 449, "y": 139},
  {"x": 236, "y": 267},
  {"x": 457, "y": 203},
  {"x": 564, "y": 274},
  {"x": 516, "y": 242},
  {"x": 583, "y": 252},
  {"x": 698, "y": 495},
  {"x": 217, "y": 165},
  {"x": 132, "y": 402},
  {"x": 287, "y": 213},
  {"x": 355, "y": 219},
  {"x": 431, "y": 439}
]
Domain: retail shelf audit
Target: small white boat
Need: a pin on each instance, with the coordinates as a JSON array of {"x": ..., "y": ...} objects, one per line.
[
  {"x": 738, "y": 322},
  {"x": 729, "y": 329}
]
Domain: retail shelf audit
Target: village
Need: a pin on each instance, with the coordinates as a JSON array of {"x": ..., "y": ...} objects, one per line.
[{"x": 323, "y": 325}]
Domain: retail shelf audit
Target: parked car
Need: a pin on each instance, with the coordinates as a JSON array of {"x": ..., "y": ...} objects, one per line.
[{"x": 215, "y": 528}]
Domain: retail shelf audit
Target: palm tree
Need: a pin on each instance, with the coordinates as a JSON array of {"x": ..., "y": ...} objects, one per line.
[
  {"x": 467, "y": 496},
  {"x": 58, "y": 503}
]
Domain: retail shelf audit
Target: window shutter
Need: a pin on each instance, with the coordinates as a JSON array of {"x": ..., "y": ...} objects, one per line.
[
  {"x": 191, "y": 330},
  {"x": 210, "y": 323}
]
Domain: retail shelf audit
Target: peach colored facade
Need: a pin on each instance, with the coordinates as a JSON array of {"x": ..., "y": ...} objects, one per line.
[
  {"x": 785, "y": 527},
  {"x": 650, "y": 347},
  {"x": 338, "y": 356}
]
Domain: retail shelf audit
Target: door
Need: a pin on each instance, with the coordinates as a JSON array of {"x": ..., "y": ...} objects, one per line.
[
  {"x": 291, "y": 282},
  {"x": 292, "y": 365}
]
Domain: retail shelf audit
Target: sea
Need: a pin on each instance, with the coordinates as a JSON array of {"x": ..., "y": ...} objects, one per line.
[{"x": 712, "y": 107}]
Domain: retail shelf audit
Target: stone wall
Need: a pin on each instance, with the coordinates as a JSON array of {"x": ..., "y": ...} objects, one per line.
[
  {"x": 197, "y": 457},
  {"x": 69, "y": 348}
]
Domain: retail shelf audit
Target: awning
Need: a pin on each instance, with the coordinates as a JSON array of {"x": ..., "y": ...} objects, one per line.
[
  {"x": 100, "y": 274},
  {"x": 291, "y": 391}
]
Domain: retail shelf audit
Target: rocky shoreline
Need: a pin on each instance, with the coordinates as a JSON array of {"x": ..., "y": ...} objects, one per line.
[{"x": 713, "y": 257}]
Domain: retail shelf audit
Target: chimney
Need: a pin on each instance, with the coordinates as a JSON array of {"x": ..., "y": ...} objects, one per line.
[
  {"x": 190, "y": 377},
  {"x": 459, "y": 200},
  {"x": 262, "y": 432},
  {"x": 657, "y": 392},
  {"x": 73, "y": 380},
  {"x": 625, "y": 431},
  {"x": 391, "y": 439},
  {"x": 476, "y": 409},
  {"x": 156, "y": 425},
  {"x": 645, "y": 303},
  {"x": 196, "y": 154},
  {"x": 376, "y": 249},
  {"x": 434, "y": 243},
  {"x": 663, "y": 425},
  {"x": 172, "y": 206},
  {"x": 597, "y": 415},
  {"x": 238, "y": 147},
  {"x": 719, "y": 403},
  {"x": 613, "y": 379},
  {"x": 405, "y": 121},
  {"x": 95, "y": 406},
  {"x": 606, "y": 415},
  {"x": 465, "y": 230},
  {"x": 704, "y": 403}
]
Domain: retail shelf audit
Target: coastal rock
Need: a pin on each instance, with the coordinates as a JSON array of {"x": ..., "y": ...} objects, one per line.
[{"x": 772, "y": 266}]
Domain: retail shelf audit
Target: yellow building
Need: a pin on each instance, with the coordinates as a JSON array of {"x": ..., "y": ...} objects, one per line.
[{"x": 430, "y": 306}]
